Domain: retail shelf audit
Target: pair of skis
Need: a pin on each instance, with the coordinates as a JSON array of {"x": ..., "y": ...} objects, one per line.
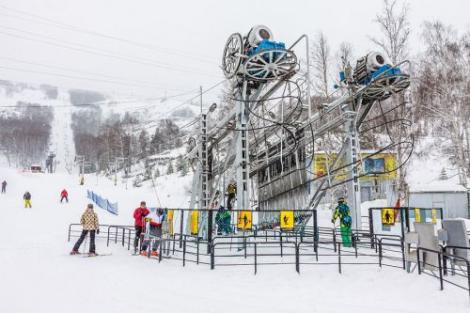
[{"x": 90, "y": 255}]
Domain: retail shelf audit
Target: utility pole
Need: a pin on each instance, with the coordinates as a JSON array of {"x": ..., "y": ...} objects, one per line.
[{"x": 80, "y": 160}]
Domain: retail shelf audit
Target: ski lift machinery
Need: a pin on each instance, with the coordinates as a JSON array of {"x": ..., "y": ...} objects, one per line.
[{"x": 269, "y": 121}]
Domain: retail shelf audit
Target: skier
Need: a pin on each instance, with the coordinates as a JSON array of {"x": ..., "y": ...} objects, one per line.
[
  {"x": 64, "y": 195},
  {"x": 155, "y": 221},
  {"x": 4, "y": 186},
  {"x": 90, "y": 223},
  {"x": 27, "y": 200},
  {"x": 342, "y": 213},
  {"x": 139, "y": 214}
]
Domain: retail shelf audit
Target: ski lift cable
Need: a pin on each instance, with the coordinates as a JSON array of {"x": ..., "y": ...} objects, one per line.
[
  {"x": 41, "y": 19},
  {"x": 49, "y": 66},
  {"x": 91, "y": 50}
]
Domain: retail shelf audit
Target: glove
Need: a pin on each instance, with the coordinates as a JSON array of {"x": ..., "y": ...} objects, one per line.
[{"x": 98, "y": 231}]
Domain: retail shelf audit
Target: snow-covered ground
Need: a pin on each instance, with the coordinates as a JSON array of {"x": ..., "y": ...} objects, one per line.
[{"x": 37, "y": 274}]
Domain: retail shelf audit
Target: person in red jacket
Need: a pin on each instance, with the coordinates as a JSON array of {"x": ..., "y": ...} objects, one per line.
[
  {"x": 139, "y": 214},
  {"x": 64, "y": 195}
]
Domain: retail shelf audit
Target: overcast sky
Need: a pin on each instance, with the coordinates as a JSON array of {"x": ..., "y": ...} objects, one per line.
[{"x": 174, "y": 46}]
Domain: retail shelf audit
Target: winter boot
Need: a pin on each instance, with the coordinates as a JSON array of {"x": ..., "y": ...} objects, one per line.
[
  {"x": 74, "y": 252},
  {"x": 154, "y": 253},
  {"x": 144, "y": 253}
]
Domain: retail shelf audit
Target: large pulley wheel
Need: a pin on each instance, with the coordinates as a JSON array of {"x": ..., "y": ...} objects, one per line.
[
  {"x": 384, "y": 87},
  {"x": 231, "y": 59},
  {"x": 270, "y": 65}
]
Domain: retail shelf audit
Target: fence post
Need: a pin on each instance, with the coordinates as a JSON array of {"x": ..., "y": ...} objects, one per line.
[
  {"x": 107, "y": 239},
  {"x": 212, "y": 256},
  {"x": 123, "y": 235},
  {"x": 468, "y": 276},
  {"x": 256, "y": 259},
  {"x": 280, "y": 241},
  {"x": 444, "y": 259},
  {"x": 380, "y": 252},
  {"x": 184, "y": 251},
  {"x": 297, "y": 258},
  {"x": 68, "y": 237},
  {"x": 161, "y": 249},
  {"x": 403, "y": 252},
  {"x": 440, "y": 270},
  {"x": 197, "y": 249},
  {"x": 334, "y": 239},
  {"x": 244, "y": 246},
  {"x": 355, "y": 245},
  {"x": 339, "y": 257},
  {"x": 418, "y": 258}
]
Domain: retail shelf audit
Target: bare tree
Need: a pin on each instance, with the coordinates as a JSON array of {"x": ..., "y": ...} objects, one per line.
[
  {"x": 321, "y": 65},
  {"x": 394, "y": 25},
  {"x": 344, "y": 54},
  {"x": 395, "y": 28},
  {"x": 443, "y": 92}
]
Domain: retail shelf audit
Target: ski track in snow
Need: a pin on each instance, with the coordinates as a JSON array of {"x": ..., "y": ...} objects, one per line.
[{"x": 38, "y": 276}]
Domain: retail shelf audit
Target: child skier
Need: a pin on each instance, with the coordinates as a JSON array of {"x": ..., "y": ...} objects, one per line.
[
  {"x": 139, "y": 214},
  {"x": 4, "y": 186},
  {"x": 342, "y": 213},
  {"x": 90, "y": 224},
  {"x": 64, "y": 195},
  {"x": 27, "y": 200},
  {"x": 155, "y": 221}
]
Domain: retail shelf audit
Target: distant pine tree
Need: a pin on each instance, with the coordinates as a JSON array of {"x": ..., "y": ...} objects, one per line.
[
  {"x": 443, "y": 174},
  {"x": 170, "y": 169}
]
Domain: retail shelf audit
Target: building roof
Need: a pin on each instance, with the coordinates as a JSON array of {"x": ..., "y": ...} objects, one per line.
[{"x": 439, "y": 186}]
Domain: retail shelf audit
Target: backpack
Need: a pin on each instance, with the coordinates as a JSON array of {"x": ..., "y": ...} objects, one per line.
[{"x": 346, "y": 220}]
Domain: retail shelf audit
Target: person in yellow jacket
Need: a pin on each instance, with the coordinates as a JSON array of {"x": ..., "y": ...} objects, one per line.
[{"x": 90, "y": 225}]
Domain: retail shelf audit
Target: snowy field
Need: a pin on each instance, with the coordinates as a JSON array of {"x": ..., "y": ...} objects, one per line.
[{"x": 38, "y": 276}]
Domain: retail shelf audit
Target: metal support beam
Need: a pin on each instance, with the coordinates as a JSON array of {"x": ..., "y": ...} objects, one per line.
[
  {"x": 353, "y": 158},
  {"x": 242, "y": 151}
]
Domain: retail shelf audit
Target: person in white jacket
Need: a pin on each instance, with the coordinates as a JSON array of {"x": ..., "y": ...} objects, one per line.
[{"x": 154, "y": 221}]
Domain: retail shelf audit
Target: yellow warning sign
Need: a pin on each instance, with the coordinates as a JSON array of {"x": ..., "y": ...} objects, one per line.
[
  {"x": 388, "y": 216},
  {"x": 287, "y": 220},
  {"x": 434, "y": 216},
  {"x": 417, "y": 215},
  {"x": 194, "y": 222},
  {"x": 245, "y": 221}
]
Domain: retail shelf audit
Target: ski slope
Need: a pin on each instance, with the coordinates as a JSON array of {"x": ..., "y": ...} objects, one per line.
[{"x": 38, "y": 276}]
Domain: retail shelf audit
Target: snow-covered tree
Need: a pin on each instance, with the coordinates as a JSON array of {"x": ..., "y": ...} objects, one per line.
[{"x": 443, "y": 92}]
